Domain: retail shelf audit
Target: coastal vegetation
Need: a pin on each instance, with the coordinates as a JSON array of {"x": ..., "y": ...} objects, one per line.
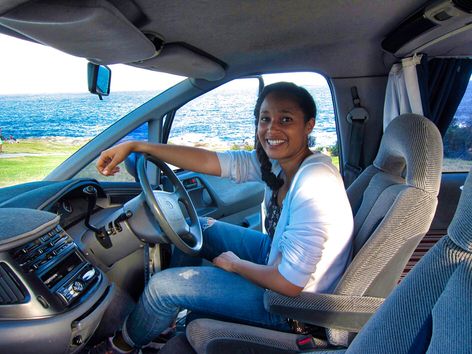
[
  {"x": 33, "y": 159},
  {"x": 38, "y": 146}
]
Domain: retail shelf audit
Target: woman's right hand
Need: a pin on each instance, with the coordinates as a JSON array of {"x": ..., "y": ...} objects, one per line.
[{"x": 107, "y": 163}]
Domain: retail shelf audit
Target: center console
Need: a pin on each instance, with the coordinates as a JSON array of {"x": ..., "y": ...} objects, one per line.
[
  {"x": 46, "y": 286},
  {"x": 54, "y": 261}
]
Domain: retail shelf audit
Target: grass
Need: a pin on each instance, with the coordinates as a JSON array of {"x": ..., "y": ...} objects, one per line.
[
  {"x": 22, "y": 169},
  {"x": 456, "y": 165},
  {"x": 335, "y": 160},
  {"x": 27, "y": 169},
  {"x": 51, "y": 153},
  {"x": 40, "y": 146},
  {"x": 247, "y": 147}
]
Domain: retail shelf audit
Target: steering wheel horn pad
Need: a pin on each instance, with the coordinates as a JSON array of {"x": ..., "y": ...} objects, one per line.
[{"x": 166, "y": 208}]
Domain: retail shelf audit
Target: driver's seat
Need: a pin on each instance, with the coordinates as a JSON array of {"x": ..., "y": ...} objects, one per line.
[
  {"x": 429, "y": 312},
  {"x": 394, "y": 201}
]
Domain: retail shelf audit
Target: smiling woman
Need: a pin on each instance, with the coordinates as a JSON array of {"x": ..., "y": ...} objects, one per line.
[
  {"x": 78, "y": 249},
  {"x": 309, "y": 225}
]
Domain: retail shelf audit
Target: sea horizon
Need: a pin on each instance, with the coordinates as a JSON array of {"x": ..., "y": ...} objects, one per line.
[
  {"x": 216, "y": 117},
  {"x": 223, "y": 117}
]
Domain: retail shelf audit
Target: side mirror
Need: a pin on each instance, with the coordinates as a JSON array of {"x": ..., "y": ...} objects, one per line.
[{"x": 99, "y": 78}]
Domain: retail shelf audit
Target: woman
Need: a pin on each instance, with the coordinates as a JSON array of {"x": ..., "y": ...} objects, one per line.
[{"x": 308, "y": 223}]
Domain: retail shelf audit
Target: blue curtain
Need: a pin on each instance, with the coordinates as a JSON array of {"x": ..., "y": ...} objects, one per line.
[{"x": 442, "y": 84}]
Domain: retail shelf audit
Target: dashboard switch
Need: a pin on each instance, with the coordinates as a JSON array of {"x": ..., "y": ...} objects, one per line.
[
  {"x": 88, "y": 275},
  {"x": 43, "y": 301},
  {"x": 191, "y": 183},
  {"x": 77, "y": 340}
]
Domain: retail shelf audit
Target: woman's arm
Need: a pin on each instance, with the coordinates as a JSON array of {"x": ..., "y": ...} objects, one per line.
[
  {"x": 266, "y": 276},
  {"x": 188, "y": 158}
]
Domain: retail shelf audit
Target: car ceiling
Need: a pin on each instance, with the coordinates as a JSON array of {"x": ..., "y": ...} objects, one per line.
[{"x": 212, "y": 39}]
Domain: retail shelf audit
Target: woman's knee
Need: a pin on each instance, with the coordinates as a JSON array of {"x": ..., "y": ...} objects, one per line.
[
  {"x": 171, "y": 283},
  {"x": 161, "y": 287}
]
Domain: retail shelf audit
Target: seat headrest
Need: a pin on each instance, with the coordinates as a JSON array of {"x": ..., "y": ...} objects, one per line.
[
  {"x": 460, "y": 228},
  {"x": 414, "y": 142}
]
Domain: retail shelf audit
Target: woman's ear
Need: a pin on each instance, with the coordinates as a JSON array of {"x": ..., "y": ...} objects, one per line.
[{"x": 309, "y": 125}]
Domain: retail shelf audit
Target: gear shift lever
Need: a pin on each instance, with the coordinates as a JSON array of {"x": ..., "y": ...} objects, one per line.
[{"x": 100, "y": 233}]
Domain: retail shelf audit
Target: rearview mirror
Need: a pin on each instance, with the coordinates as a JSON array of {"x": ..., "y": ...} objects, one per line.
[{"x": 99, "y": 78}]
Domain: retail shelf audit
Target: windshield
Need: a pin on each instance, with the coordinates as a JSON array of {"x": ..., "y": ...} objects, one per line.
[{"x": 46, "y": 112}]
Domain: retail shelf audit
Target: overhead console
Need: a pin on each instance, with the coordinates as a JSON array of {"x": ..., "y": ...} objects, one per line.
[
  {"x": 428, "y": 28},
  {"x": 46, "y": 284}
]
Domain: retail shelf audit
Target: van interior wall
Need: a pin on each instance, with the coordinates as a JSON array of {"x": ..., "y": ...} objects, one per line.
[{"x": 371, "y": 91}]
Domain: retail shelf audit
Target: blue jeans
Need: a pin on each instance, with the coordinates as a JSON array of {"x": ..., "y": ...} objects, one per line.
[{"x": 205, "y": 290}]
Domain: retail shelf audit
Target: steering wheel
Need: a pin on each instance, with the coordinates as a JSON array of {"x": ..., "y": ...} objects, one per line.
[{"x": 165, "y": 207}]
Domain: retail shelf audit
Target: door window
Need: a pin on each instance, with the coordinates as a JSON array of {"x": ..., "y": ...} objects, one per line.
[
  {"x": 219, "y": 120},
  {"x": 223, "y": 119},
  {"x": 458, "y": 138}
]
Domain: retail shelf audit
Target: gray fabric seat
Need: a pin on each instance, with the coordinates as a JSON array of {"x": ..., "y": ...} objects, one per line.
[
  {"x": 429, "y": 312},
  {"x": 393, "y": 201}
]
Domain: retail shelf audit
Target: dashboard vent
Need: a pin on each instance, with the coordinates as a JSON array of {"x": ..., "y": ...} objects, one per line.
[{"x": 11, "y": 290}]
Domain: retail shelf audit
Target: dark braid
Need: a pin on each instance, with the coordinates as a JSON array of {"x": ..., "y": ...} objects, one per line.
[
  {"x": 268, "y": 176},
  {"x": 307, "y": 105}
]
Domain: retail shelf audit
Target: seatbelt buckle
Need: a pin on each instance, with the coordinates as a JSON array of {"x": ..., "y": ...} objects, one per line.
[{"x": 306, "y": 342}]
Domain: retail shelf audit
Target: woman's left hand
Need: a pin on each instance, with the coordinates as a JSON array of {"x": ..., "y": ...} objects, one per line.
[
  {"x": 266, "y": 276},
  {"x": 226, "y": 261}
]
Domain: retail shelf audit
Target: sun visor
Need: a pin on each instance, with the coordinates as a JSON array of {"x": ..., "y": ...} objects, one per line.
[
  {"x": 178, "y": 59},
  {"x": 7, "y": 5},
  {"x": 92, "y": 29}
]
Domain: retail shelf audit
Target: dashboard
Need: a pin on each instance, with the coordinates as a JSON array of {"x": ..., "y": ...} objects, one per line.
[
  {"x": 52, "y": 297},
  {"x": 60, "y": 277}
]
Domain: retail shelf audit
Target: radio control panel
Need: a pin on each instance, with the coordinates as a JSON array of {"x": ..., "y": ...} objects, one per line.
[
  {"x": 55, "y": 259},
  {"x": 36, "y": 254},
  {"x": 77, "y": 285}
]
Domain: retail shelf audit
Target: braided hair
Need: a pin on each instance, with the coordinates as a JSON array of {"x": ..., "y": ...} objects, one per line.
[{"x": 303, "y": 98}]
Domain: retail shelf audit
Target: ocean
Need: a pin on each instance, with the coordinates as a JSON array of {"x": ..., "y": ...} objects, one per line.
[{"x": 222, "y": 117}]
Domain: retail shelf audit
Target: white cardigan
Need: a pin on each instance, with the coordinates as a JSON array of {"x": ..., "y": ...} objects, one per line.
[{"x": 314, "y": 231}]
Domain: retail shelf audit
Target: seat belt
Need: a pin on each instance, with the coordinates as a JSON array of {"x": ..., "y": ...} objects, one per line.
[{"x": 357, "y": 118}]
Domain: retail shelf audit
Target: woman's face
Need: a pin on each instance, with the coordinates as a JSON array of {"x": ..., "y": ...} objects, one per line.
[{"x": 281, "y": 129}]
